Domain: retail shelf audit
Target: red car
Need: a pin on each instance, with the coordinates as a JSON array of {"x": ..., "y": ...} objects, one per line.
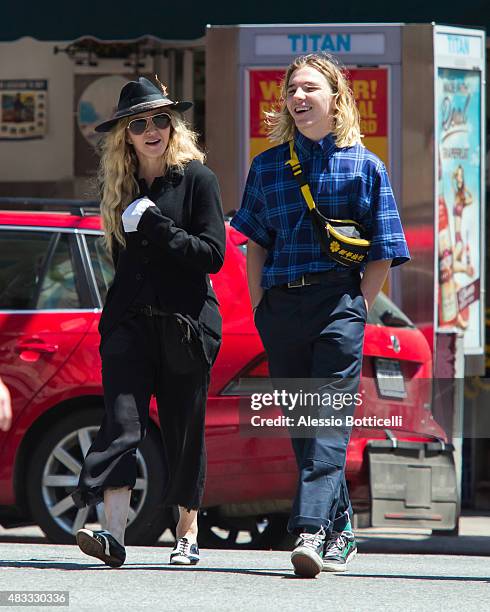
[{"x": 54, "y": 275}]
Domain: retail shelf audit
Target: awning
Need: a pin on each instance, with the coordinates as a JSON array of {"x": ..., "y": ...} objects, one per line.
[{"x": 62, "y": 21}]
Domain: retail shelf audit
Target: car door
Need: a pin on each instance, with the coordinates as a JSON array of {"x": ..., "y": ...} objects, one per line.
[{"x": 45, "y": 308}]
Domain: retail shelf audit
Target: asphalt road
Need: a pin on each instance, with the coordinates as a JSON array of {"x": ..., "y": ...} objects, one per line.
[
  {"x": 396, "y": 570},
  {"x": 246, "y": 580}
]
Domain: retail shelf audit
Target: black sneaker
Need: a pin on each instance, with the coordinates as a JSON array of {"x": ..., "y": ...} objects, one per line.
[
  {"x": 103, "y": 545},
  {"x": 307, "y": 556},
  {"x": 339, "y": 551},
  {"x": 184, "y": 553}
]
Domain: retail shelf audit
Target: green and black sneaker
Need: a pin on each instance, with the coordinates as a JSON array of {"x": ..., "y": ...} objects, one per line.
[
  {"x": 307, "y": 556},
  {"x": 339, "y": 551}
]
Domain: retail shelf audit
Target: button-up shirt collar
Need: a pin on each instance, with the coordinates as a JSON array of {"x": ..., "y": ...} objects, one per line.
[{"x": 306, "y": 148}]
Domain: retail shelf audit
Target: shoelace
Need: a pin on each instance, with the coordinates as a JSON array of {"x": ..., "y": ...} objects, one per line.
[
  {"x": 336, "y": 544},
  {"x": 313, "y": 540},
  {"x": 183, "y": 547}
]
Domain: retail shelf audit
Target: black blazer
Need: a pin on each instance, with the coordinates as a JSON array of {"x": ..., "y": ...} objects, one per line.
[{"x": 177, "y": 244}]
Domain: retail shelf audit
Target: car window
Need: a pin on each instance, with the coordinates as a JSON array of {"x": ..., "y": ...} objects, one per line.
[
  {"x": 59, "y": 287},
  {"x": 22, "y": 258},
  {"x": 385, "y": 312},
  {"x": 101, "y": 264}
]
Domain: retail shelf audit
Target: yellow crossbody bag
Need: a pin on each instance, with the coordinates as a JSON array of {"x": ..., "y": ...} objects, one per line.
[{"x": 343, "y": 240}]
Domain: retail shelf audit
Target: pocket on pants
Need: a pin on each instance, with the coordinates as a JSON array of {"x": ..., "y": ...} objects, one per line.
[
  {"x": 211, "y": 345},
  {"x": 355, "y": 299},
  {"x": 210, "y": 330},
  {"x": 182, "y": 345}
]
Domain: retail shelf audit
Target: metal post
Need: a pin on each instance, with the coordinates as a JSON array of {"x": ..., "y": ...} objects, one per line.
[
  {"x": 448, "y": 401},
  {"x": 458, "y": 410}
]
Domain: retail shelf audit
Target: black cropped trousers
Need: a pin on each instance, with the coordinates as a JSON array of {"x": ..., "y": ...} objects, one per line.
[{"x": 136, "y": 364}]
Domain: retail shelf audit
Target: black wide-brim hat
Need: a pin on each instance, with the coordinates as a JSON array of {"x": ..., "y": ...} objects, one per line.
[{"x": 138, "y": 97}]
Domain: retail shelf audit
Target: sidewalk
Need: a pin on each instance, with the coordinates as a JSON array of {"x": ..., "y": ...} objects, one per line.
[{"x": 473, "y": 539}]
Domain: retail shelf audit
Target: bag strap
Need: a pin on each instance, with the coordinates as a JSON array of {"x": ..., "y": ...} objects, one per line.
[
  {"x": 305, "y": 188},
  {"x": 299, "y": 176}
]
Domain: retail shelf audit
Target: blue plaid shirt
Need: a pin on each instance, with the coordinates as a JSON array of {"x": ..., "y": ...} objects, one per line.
[{"x": 346, "y": 183}]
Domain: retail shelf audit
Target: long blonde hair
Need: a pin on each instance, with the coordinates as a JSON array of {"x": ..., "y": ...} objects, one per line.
[
  {"x": 346, "y": 121},
  {"x": 118, "y": 164}
]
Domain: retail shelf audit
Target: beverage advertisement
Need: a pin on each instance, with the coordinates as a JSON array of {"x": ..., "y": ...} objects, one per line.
[{"x": 459, "y": 200}]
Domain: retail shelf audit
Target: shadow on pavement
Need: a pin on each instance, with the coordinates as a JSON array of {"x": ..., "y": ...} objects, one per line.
[
  {"x": 39, "y": 564},
  {"x": 279, "y": 573},
  {"x": 417, "y": 577},
  {"x": 12, "y": 539}
]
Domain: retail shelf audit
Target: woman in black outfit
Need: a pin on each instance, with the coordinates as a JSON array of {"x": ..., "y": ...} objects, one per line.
[{"x": 160, "y": 327}]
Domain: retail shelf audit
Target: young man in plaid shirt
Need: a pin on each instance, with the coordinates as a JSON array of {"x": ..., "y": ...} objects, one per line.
[{"x": 311, "y": 311}]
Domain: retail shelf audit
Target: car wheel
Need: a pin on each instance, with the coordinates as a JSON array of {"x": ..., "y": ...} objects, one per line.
[
  {"x": 53, "y": 475},
  {"x": 247, "y": 533}
]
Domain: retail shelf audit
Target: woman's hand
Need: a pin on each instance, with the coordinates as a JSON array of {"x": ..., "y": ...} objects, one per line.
[{"x": 132, "y": 215}]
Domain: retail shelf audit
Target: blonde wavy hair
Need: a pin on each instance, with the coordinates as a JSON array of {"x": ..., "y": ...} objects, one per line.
[
  {"x": 118, "y": 164},
  {"x": 346, "y": 120}
]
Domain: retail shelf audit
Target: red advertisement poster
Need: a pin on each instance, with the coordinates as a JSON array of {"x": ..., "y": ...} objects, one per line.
[
  {"x": 265, "y": 93},
  {"x": 370, "y": 88}
]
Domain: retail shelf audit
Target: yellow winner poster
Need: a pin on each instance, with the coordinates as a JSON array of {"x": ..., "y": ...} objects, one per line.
[{"x": 370, "y": 88}]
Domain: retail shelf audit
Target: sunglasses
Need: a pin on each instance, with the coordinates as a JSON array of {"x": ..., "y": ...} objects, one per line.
[{"x": 139, "y": 126}]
